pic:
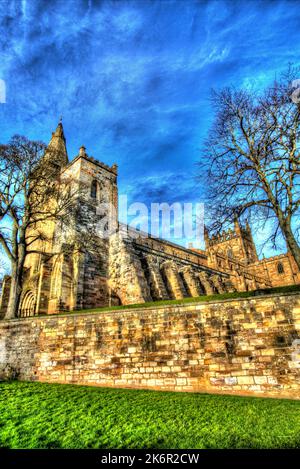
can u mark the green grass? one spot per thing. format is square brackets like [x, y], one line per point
[38, 415]
[219, 296]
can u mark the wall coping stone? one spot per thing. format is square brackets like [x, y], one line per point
[142, 309]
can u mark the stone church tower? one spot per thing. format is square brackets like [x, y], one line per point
[79, 272]
[65, 274]
[38, 266]
[235, 243]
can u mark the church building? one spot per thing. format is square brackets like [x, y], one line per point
[131, 269]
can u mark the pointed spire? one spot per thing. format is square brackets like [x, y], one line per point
[56, 151]
[59, 132]
[237, 226]
[247, 226]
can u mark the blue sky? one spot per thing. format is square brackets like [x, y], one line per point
[132, 80]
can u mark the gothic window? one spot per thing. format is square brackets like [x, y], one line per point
[230, 253]
[94, 189]
[56, 279]
[280, 268]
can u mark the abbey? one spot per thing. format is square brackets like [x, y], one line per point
[124, 269]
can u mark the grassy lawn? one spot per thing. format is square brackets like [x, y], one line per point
[38, 415]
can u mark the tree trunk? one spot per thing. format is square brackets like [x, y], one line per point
[291, 242]
[14, 294]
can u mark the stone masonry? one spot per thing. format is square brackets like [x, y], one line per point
[242, 346]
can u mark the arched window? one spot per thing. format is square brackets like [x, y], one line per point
[56, 279]
[94, 189]
[230, 253]
[280, 268]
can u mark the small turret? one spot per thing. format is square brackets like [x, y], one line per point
[206, 237]
[82, 151]
[114, 168]
[236, 224]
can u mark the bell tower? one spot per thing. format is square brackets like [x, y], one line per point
[234, 243]
[80, 278]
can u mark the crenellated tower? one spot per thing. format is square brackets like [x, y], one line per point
[236, 243]
[80, 272]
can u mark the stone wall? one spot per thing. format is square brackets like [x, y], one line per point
[242, 346]
[143, 269]
[234, 252]
[126, 277]
[280, 270]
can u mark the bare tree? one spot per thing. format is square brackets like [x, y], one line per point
[4, 269]
[33, 196]
[252, 158]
